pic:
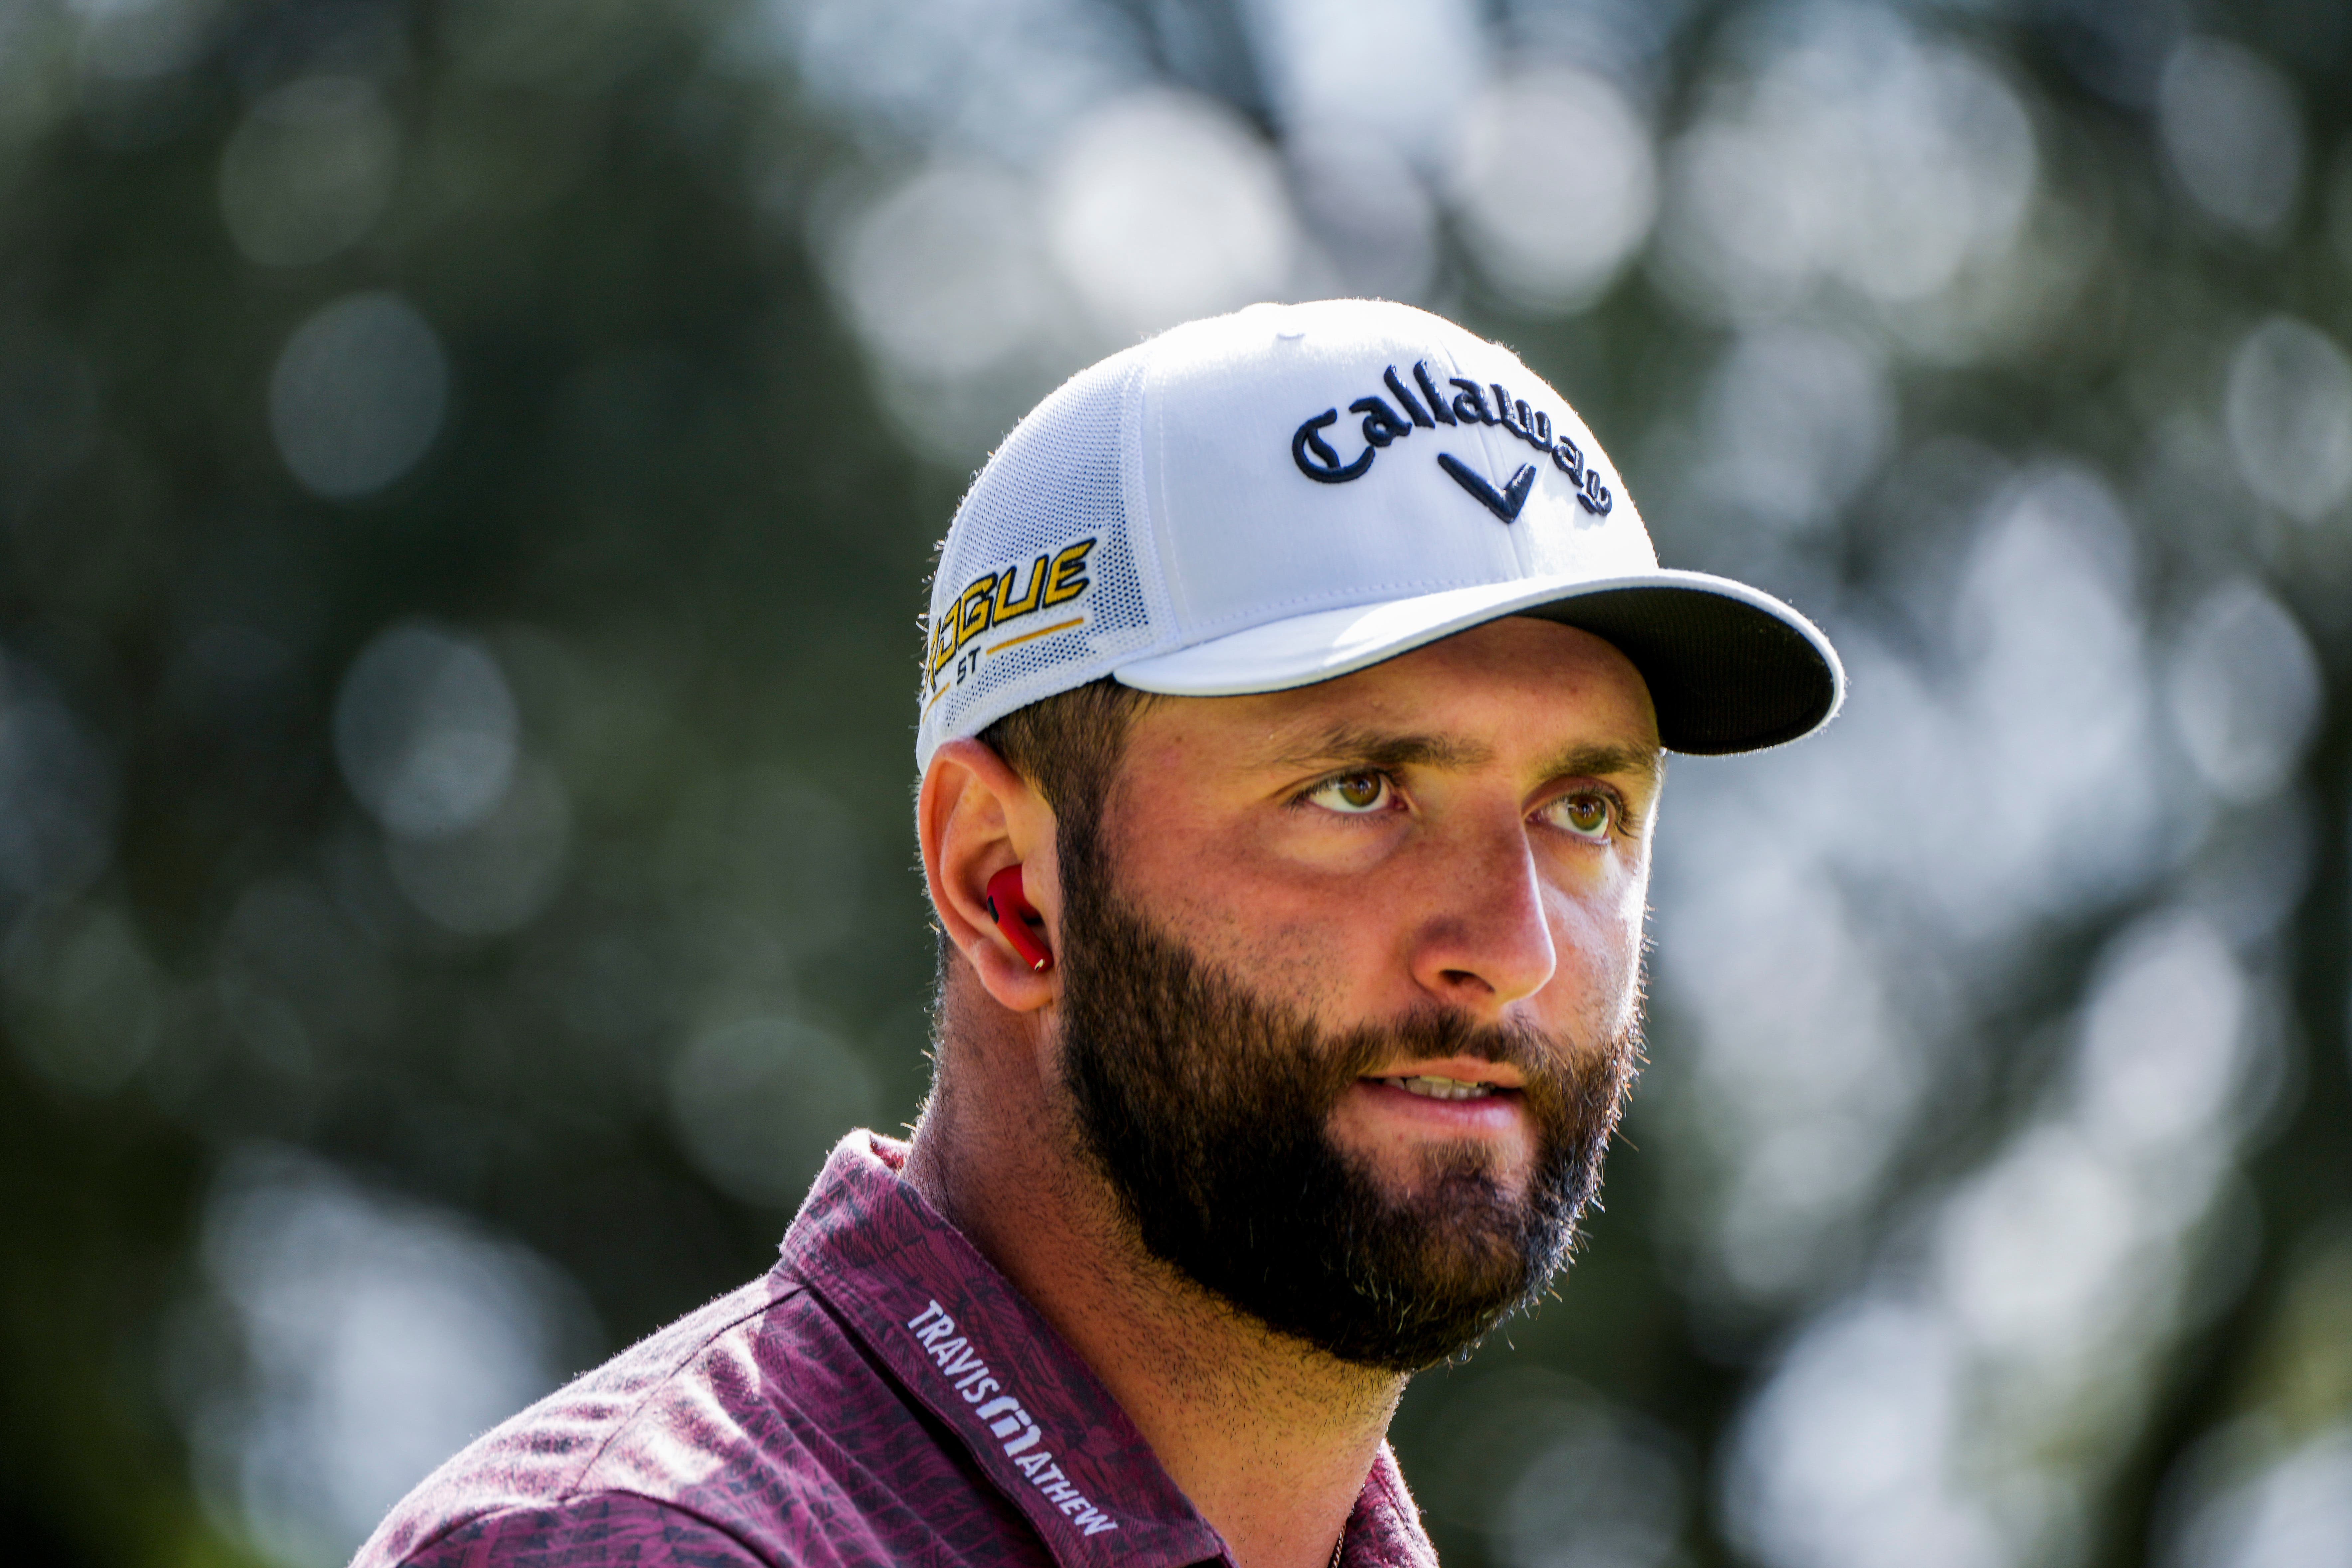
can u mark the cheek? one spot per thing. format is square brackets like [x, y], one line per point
[1598, 930]
[1287, 940]
[1312, 939]
[1249, 878]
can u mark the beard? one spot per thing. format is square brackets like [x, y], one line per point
[1208, 1108]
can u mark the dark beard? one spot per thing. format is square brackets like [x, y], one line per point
[1208, 1108]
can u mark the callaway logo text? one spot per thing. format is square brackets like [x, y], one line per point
[1382, 424]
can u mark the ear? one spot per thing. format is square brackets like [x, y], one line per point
[975, 816]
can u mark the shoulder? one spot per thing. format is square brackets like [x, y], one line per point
[592, 1529]
[692, 1429]
[587, 1530]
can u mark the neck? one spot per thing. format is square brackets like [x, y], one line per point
[1269, 1438]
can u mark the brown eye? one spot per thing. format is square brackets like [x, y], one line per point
[1353, 794]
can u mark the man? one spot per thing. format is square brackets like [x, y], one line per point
[1292, 728]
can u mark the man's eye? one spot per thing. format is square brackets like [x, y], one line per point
[1352, 794]
[1586, 815]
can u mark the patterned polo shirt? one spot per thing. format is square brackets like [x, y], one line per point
[881, 1395]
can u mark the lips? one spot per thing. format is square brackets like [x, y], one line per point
[1430, 1086]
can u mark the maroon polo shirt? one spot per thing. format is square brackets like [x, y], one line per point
[882, 1395]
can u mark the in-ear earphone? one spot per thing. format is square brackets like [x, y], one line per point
[1009, 907]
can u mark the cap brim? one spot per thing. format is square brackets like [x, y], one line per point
[1729, 668]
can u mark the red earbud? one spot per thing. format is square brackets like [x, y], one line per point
[1009, 907]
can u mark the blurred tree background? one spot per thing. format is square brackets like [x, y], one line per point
[468, 471]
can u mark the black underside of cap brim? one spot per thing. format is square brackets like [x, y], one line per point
[1724, 676]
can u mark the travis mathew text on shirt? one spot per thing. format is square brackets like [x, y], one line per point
[881, 1395]
[1004, 1414]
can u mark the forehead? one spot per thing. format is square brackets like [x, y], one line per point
[1512, 691]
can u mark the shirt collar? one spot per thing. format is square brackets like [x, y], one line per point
[959, 1337]
[1045, 1431]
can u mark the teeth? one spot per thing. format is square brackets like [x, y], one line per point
[1441, 1088]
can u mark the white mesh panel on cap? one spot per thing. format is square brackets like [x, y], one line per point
[1061, 479]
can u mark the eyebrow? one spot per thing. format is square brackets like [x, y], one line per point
[1648, 762]
[1346, 743]
[1354, 743]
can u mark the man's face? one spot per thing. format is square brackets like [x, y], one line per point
[1350, 980]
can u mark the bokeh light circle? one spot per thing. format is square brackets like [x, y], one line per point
[1556, 184]
[358, 395]
[309, 171]
[1163, 207]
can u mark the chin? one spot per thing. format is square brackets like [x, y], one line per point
[1460, 1166]
[1471, 1220]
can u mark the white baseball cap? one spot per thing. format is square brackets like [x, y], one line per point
[1284, 495]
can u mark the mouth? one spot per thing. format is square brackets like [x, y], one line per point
[1430, 1086]
[1450, 1099]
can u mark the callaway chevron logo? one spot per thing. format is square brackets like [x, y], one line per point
[1383, 424]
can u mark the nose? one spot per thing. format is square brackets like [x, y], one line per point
[1487, 940]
